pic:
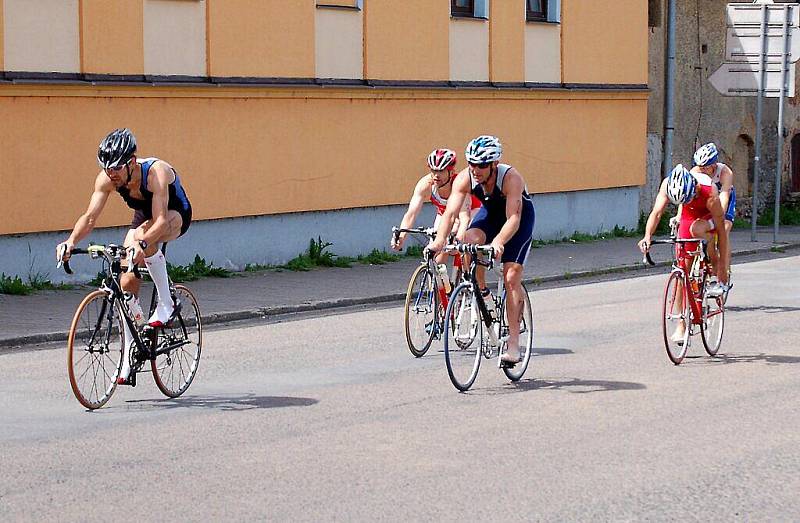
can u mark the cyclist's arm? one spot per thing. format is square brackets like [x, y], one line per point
[512, 187]
[726, 178]
[655, 216]
[422, 191]
[161, 176]
[97, 202]
[464, 219]
[714, 205]
[458, 193]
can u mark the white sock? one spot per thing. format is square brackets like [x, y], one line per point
[127, 340]
[157, 265]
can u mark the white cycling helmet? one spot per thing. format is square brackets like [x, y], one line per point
[484, 149]
[706, 155]
[441, 159]
[681, 185]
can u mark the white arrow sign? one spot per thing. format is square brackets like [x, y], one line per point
[741, 79]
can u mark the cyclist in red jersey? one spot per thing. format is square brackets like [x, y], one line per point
[435, 187]
[702, 216]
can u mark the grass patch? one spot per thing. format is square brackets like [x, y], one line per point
[377, 257]
[317, 255]
[414, 251]
[789, 215]
[199, 268]
[777, 249]
[36, 282]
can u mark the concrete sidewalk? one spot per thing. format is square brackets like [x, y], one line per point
[46, 316]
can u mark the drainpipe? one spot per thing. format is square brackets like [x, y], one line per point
[669, 90]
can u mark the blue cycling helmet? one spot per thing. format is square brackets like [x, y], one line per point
[706, 155]
[484, 149]
[681, 185]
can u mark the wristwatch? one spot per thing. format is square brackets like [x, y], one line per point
[143, 244]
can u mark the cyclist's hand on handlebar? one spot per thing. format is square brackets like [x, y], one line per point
[644, 245]
[135, 254]
[398, 241]
[63, 251]
[436, 246]
[674, 222]
[498, 249]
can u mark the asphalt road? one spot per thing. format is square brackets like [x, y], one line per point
[330, 418]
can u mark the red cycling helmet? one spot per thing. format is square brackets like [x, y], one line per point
[441, 159]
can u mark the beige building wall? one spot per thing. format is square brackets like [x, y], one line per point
[604, 42]
[2, 38]
[103, 50]
[175, 37]
[469, 49]
[261, 38]
[543, 53]
[507, 41]
[41, 36]
[223, 141]
[407, 40]
[339, 40]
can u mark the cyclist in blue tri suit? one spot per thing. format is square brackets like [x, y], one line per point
[706, 161]
[505, 220]
[162, 213]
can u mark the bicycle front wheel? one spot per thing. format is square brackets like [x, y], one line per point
[178, 347]
[525, 337]
[421, 311]
[94, 350]
[463, 362]
[676, 314]
[713, 322]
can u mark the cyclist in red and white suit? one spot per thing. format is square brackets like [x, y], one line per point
[435, 187]
[702, 216]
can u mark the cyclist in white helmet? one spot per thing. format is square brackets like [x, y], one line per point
[436, 187]
[505, 220]
[706, 161]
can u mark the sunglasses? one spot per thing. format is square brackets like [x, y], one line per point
[483, 165]
[118, 167]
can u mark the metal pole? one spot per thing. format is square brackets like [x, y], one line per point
[759, 110]
[669, 90]
[787, 11]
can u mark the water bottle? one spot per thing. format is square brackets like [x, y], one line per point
[135, 308]
[442, 270]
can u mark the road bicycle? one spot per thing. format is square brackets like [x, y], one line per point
[686, 300]
[95, 341]
[468, 308]
[427, 297]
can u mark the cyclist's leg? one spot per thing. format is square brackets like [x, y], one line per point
[704, 229]
[157, 266]
[514, 257]
[478, 237]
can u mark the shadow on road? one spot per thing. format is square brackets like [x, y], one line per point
[770, 359]
[226, 402]
[543, 351]
[770, 309]
[572, 385]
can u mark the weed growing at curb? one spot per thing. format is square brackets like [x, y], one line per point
[36, 282]
[199, 268]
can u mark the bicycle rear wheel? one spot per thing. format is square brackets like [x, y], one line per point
[676, 309]
[94, 350]
[525, 337]
[713, 322]
[463, 362]
[178, 347]
[421, 311]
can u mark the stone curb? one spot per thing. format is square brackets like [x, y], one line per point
[9, 344]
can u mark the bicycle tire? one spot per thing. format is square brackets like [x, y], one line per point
[419, 336]
[93, 344]
[175, 369]
[713, 324]
[676, 351]
[516, 372]
[460, 359]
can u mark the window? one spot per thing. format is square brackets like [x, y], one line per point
[536, 10]
[462, 7]
[654, 13]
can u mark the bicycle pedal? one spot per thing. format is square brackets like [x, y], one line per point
[130, 380]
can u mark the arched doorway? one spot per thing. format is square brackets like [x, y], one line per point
[795, 185]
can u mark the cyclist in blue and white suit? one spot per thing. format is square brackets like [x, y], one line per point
[505, 220]
[706, 161]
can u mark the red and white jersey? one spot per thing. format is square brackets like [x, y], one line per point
[441, 203]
